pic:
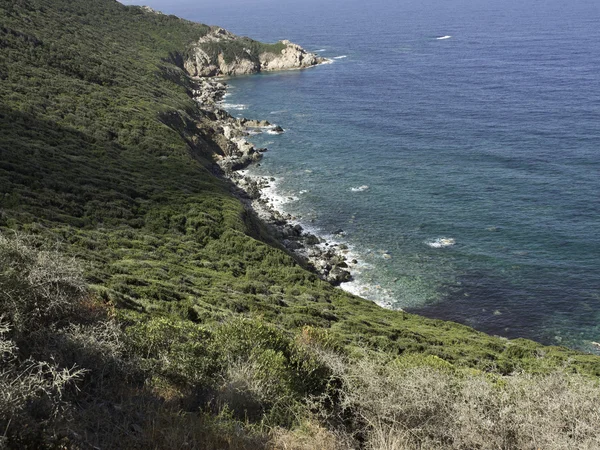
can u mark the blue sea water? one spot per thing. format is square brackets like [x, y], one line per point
[489, 138]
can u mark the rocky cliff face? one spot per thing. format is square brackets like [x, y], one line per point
[223, 53]
[291, 57]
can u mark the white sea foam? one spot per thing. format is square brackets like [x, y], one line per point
[303, 191]
[278, 112]
[362, 188]
[281, 201]
[271, 192]
[320, 50]
[441, 242]
[443, 37]
[374, 292]
[340, 57]
[274, 132]
[236, 106]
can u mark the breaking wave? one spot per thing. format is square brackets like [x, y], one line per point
[441, 242]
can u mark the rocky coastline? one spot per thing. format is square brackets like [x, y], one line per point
[327, 259]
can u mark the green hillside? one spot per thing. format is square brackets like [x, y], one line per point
[144, 306]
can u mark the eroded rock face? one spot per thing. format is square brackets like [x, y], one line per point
[291, 57]
[200, 64]
[240, 66]
[205, 63]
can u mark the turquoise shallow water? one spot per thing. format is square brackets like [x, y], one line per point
[490, 138]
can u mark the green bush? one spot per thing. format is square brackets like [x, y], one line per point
[240, 48]
[179, 350]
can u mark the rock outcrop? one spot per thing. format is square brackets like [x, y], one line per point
[223, 53]
[291, 57]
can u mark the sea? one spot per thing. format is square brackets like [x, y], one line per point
[455, 144]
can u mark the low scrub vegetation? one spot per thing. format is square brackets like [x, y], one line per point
[75, 377]
[407, 403]
[239, 49]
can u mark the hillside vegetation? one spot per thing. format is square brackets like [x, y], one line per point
[143, 306]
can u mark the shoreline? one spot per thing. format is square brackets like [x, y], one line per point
[331, 261]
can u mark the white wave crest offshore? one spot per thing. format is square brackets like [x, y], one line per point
[443, 37]
[362, 188]
[441, 242]
[340, 57]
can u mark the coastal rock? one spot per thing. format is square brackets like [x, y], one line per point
[231, 132]
[291, 57]
[239, 154]
[217, 53]
[200, 64]
[311, 239]
[207, 93]
[151, 11]
[239, 66]
[293, 245]
[337, 276]
[337, 260]
[323, 266]
[255, 123]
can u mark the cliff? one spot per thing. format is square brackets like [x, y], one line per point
[223, 53]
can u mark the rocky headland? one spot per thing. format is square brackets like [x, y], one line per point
[327, 259]
[223, 53]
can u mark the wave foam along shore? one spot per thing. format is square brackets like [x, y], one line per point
[238, 107]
